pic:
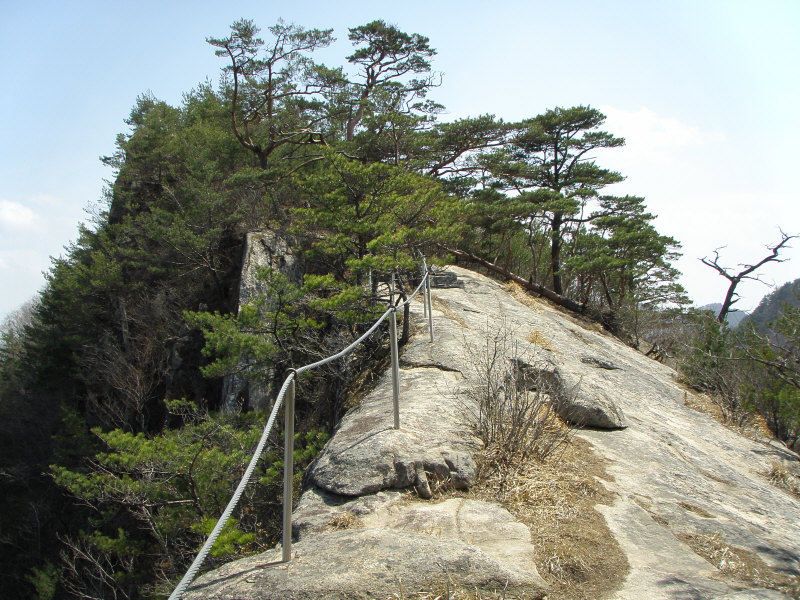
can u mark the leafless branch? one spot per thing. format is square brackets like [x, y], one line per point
[746, 272]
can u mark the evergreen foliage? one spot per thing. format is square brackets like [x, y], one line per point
[747, 372]
[151, 500]
[771, 305]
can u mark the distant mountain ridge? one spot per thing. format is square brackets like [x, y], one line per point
[734, 317]
[767, 310]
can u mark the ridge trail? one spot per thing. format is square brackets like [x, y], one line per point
[680, 480]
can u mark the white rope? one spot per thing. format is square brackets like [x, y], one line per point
[201, 556]
[325, 361]
[191, 573]
[369, 332]
[416, 291]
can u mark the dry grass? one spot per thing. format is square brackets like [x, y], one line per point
[698, 510]
[546, 477]
[535, 337]
[533, 302]
[509, 399]
[519, 294]
[703, 404]
[446, 309]
[647, 504]
[345, 520]
[576, 552]
[739, 565]
[754, 427]
[781, 477]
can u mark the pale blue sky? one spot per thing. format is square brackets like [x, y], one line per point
[704, 92]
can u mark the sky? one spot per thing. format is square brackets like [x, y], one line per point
[704, 92]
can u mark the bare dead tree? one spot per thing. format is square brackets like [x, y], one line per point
[746, 272]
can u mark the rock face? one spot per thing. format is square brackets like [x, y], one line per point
[365, 530]
[434, 441]
[263, 249]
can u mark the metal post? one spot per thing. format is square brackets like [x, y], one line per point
[430, 309]
[424, 289]
[395, 361]
[288, 472]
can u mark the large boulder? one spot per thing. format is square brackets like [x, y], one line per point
[367, 455]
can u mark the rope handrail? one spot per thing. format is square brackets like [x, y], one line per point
[288, 386]
[234, 501]
[364, 336]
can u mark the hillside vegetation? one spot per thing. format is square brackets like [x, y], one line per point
[115, 458]
[772, 305]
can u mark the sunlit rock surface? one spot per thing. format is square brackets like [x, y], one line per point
[365, 531]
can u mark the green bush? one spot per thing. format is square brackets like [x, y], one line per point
[153, 500]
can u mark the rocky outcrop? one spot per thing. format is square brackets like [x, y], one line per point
[434, 441]
[691, 496]
[366, 564]
[263, 249]
[551, 342]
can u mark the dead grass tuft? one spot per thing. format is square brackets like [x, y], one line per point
[345, 520]
[782, 478]
[446, 309]
[576, 552]
[535, 337]
[511, 400]
[753, 427]
[522, 296]
[740, 565]
[534, 302]
[698, 510]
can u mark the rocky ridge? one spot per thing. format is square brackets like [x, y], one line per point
[679, 477]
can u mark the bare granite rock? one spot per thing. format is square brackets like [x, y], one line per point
[483, 524]
[678, 475]
[319, 511]
[364, 564]
[551, 342]
[263, 249]
[367, 455]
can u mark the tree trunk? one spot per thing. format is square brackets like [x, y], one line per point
[567, 303]
[726, 305]
[353, 122]
[555, 253]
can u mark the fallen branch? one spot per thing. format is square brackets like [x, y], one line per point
[567, 303]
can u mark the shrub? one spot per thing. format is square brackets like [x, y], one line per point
[152, 501]
[510, 398]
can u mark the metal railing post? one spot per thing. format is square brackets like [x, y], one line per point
[430, 308]
[424, 289]
[288, 471]
[395, 360]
